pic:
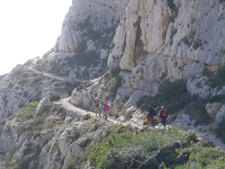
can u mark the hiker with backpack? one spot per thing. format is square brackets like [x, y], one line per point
[106, 108]
[151, 114]
[97, 108]
[164, 116]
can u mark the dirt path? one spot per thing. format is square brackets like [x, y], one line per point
[68, 106]
[53, 76]
[65, 103]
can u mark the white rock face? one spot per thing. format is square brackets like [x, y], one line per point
[200, 86]
[136, 97]
[213, 108]
[43, 105]
[103, 54]
[154, 41]
[220, 115]
[97, 15]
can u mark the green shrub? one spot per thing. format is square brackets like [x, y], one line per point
[171, 5]
[220, 130]
[31, 126]
[55, 97]
[145, 122]
[113, 84]
[27, 112]
[217, 98]
[129, 115]
[221, 1]
[196, 110]
[86, 117]
[218, 79]
[112, 45]
[36, 99]
[142, 150]
[25, 161]
[84, 85]
[172, 94]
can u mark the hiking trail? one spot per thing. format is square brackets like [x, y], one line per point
[65, 103]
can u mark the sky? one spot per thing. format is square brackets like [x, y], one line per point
[28, 28]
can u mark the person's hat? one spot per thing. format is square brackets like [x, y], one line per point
[162, 107]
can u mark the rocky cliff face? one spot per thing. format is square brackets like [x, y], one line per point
[170, 39]
[81, 50]
[80, 54]
[159, 40]
[154, 41]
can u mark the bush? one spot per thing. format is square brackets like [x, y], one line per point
[196, 110]
[30, 126]
[139, 151]
[27, 112]
[84, 85]
[55, 97]
[221, 1]
[218, 79]
[172, 94]
[171, 5]
[129, 115]
[220, 130]
[113, 84]
[86, 117]
[145, 122]
[217, 98]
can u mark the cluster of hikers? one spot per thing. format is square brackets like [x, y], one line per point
[152, 113]
[101, 106]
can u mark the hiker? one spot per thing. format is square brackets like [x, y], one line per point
[97, 109]
[105, 109]
[151, 114]
[164, 116]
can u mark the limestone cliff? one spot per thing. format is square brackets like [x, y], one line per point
[171, 39]
[165, 39]
[82, 48]
[80, 54]
[151, 43]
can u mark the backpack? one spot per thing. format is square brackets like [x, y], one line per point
[149, 117]
[164, 114]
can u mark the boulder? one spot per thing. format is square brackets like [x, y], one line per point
[212, 109]
[136, 97]
[43, 106]
[220, 115]
[103, 54]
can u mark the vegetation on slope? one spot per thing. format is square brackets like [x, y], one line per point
[220, 130]
[175, 97]
[218, 79]
[151, 150]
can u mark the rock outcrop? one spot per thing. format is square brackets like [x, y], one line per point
[82, 48]
[171, 39]
[159, 40]
[154, 41]
[80, 54]
[43, 106]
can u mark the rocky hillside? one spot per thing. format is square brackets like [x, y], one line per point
[80, 54]
[131, 53]
[168, 40]
[82, 49]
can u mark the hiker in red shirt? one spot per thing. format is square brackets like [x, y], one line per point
[164, 116]
[105, 109]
